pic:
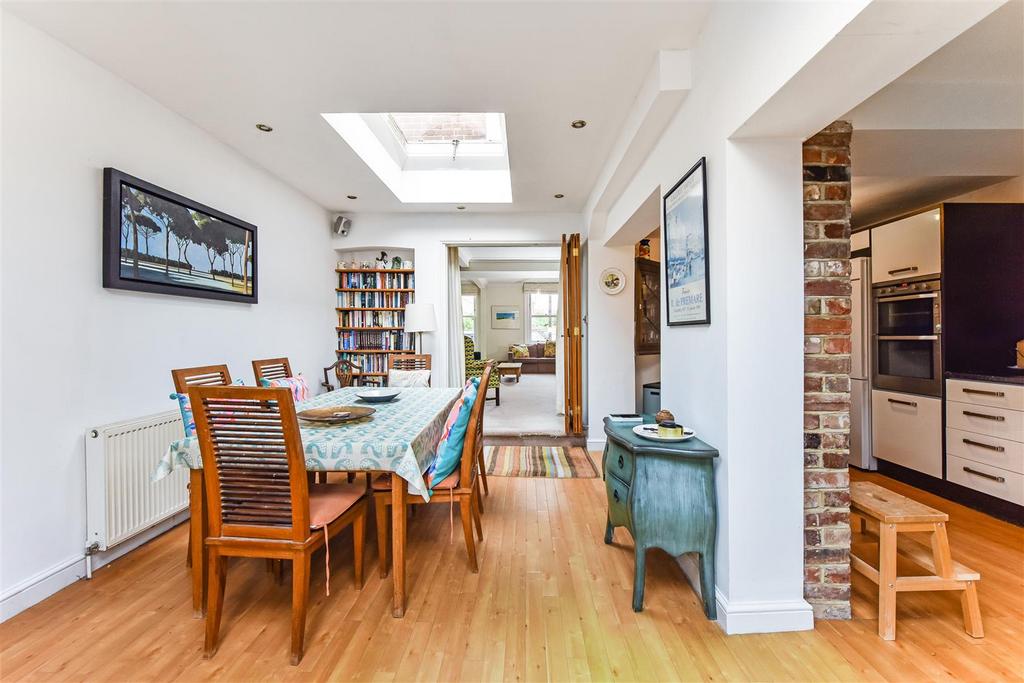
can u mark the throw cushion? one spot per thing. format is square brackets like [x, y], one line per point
[185, 406]
[409, 378]
[449, 448]
[549, 349]
[298, 386]
[519, 351]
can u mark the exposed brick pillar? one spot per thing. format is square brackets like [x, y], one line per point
[827, 371]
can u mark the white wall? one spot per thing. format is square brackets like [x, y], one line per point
[76, 355]
[428, 233]
[497, 341]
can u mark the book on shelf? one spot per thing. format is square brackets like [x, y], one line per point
[364, 280]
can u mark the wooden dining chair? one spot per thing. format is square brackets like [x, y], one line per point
[461, 487]
[260, 501]
[409, 361]
[344, 371]
[271, 368]
[203, 375]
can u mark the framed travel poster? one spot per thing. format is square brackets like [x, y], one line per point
[686, 249]
[504, 317]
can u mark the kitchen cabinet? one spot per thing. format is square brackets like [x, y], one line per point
[907, 430]
[985, 437]
[908, 248]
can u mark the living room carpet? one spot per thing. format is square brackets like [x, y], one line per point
[539, 461]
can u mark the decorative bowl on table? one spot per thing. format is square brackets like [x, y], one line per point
[382, 395]
[335, 415]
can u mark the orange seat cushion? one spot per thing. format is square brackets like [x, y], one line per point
[383, 482]
[327, 502]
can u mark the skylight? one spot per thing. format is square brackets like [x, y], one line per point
[432, 157]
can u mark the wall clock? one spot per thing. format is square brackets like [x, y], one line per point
[613, 280]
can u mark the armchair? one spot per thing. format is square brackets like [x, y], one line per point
[475, 368]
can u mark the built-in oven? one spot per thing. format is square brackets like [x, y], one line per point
[908, 338]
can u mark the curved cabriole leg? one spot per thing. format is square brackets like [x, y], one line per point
[707, 585]
[609, 530]
[638, 579]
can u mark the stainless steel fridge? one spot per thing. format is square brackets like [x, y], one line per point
[860, 365]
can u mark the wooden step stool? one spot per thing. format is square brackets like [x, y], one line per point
[893, 514]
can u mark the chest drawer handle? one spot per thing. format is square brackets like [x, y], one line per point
[986, 475]
[622, 463]
[996, 418]
[615, 493]
[997, 394]
[912, 404]
[997, 449]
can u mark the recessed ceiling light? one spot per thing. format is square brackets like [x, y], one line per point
[578, 123]
[263, 127]
[461, 208]
[559, 195]
[352, 196]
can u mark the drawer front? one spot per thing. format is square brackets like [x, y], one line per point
[1000, 422]
[620, 463]
[990, 450]
[618, 501]
[985, 478]
[1009, 396]
[907, 430]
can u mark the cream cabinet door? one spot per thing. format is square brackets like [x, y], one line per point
[907, 248]
[907, 430]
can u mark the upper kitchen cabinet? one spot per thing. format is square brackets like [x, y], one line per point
[908, 248]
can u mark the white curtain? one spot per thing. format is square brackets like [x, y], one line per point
[456, 349]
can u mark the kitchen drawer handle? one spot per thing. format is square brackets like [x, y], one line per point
[986, 475]
[997, 394]
[912, 404]
[908, 269]
[997, 449]
[655, 393]
[908, 337]
[622, 463]
[996, 418]
[615, 493]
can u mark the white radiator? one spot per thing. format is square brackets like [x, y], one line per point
[121, 499]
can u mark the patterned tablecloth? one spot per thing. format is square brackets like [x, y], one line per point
[400, 437]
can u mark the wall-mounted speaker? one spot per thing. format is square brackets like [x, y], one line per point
[342, 225]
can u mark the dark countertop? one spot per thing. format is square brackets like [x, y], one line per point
[998, 379]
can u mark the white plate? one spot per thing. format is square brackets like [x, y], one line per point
[640, 431]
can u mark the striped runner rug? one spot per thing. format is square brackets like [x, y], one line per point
[539, 461]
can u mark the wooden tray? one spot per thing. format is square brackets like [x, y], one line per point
[335, 414]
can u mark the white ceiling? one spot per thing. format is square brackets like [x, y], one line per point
[952, 124]
[229, 65]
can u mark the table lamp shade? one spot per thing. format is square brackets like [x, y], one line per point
[420, 318]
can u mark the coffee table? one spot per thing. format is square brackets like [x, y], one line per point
[510, 370]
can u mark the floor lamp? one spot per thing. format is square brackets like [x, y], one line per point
[419, 318]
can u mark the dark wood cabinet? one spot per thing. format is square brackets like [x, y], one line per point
[647, 315]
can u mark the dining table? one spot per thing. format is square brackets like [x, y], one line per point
[399, 438]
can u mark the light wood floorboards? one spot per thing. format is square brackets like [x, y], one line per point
[551, 602]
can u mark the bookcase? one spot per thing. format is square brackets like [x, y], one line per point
[371, 318]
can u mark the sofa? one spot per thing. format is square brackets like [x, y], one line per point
[535, 363]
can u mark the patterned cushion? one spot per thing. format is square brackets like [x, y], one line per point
[519, 351]
[549, 349]
[409, 378]
[449, 448]
[298, 386]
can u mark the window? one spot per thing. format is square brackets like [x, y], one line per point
[469, 316]
[543, 316]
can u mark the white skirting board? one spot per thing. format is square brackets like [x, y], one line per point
[596, 444]
[37, 588]
[763, 617]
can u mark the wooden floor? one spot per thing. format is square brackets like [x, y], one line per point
[551, 602]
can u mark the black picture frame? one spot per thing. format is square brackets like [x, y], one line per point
[186, 280]
[678, 266]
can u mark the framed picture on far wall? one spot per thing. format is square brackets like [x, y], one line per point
[685, 216]
[157, 241]
[504, 317]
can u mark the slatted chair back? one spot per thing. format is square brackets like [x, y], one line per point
[475, 429]
[271, 368]
[409, 361]
[252, 458]
[203, 375]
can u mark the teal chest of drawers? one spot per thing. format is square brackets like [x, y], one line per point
[664, 494]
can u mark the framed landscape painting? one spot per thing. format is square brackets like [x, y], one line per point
[686, 249]
[157, 241]
[504, 317]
